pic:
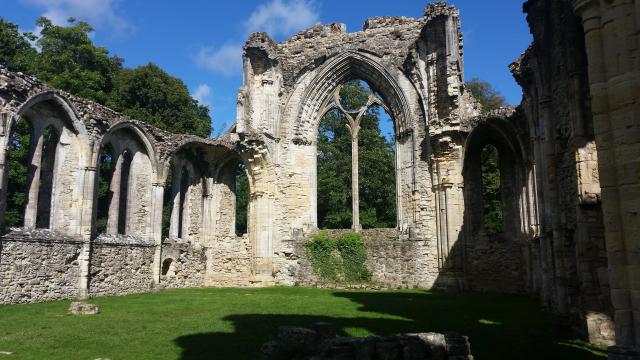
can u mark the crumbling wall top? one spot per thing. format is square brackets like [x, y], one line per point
[440, 8]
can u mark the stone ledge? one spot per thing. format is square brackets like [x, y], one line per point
[320, 342]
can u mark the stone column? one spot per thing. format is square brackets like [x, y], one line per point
[611, 39]
[156, 229]
[85, 231]
[114, 205]
[355, 186]
[33, 178]
[176, 186]
[4, 136]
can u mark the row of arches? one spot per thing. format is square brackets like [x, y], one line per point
[49, 175]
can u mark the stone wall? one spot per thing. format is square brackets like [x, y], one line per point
[555, 79]
[230, 262]
[395, 260]
[496, 263]
[121, 268]
[183, 265]
[38, 268]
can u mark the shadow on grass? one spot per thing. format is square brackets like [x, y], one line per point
[498, 326]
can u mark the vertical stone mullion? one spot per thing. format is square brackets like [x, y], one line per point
[114, 205]
[33, 177]
[176, 187]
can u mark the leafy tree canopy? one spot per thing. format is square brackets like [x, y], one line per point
[16, 51]
[67, 59]
[149, 94]
[488, 97]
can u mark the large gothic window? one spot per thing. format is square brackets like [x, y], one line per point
[356, 161]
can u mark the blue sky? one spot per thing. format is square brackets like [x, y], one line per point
[199, 41]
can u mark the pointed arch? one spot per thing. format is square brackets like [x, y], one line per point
[71, 118]
[339, 69]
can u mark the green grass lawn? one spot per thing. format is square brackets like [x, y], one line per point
[233, 323]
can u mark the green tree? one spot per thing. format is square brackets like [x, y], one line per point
[69, 60]
[15, 50]
[149, 94]
[376, 166]
[487, 96]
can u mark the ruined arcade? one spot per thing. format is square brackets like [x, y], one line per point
[569, 167]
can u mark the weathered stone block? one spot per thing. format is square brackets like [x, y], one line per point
[82, 308]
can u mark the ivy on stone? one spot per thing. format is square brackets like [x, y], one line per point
[338, 259]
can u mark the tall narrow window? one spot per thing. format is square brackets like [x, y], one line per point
[491, 190]
[17, 170]
[105, 193]
[377, 170]
[242, 199]
[334, 172]
[51, 138]
[184, 189]
[167, 208]
[124, 192]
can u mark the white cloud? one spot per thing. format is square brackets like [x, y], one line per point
[282, 18]
[202, 93]
[99, 13]
[226, 60]
[278, 18]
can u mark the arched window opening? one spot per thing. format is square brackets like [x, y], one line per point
[491, 190]
[242, 199]
[167, 208]
[356, 170]
[124, 192]
[176, 203]
[168, 268]
[50, 140]
[105, 193]
[17, 172]
[30, 172]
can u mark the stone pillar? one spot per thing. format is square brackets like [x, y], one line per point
[448, 188]
[4, 141]
[114, 205]
[260, 228]
[85, 231]
[176, 186]
[33, 178]
[355, 187]
[156, 231]
[612, 43]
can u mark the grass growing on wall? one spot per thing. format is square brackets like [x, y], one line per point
[190, 324]
[338, 259]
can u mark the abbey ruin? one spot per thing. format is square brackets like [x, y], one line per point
[569, 165]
